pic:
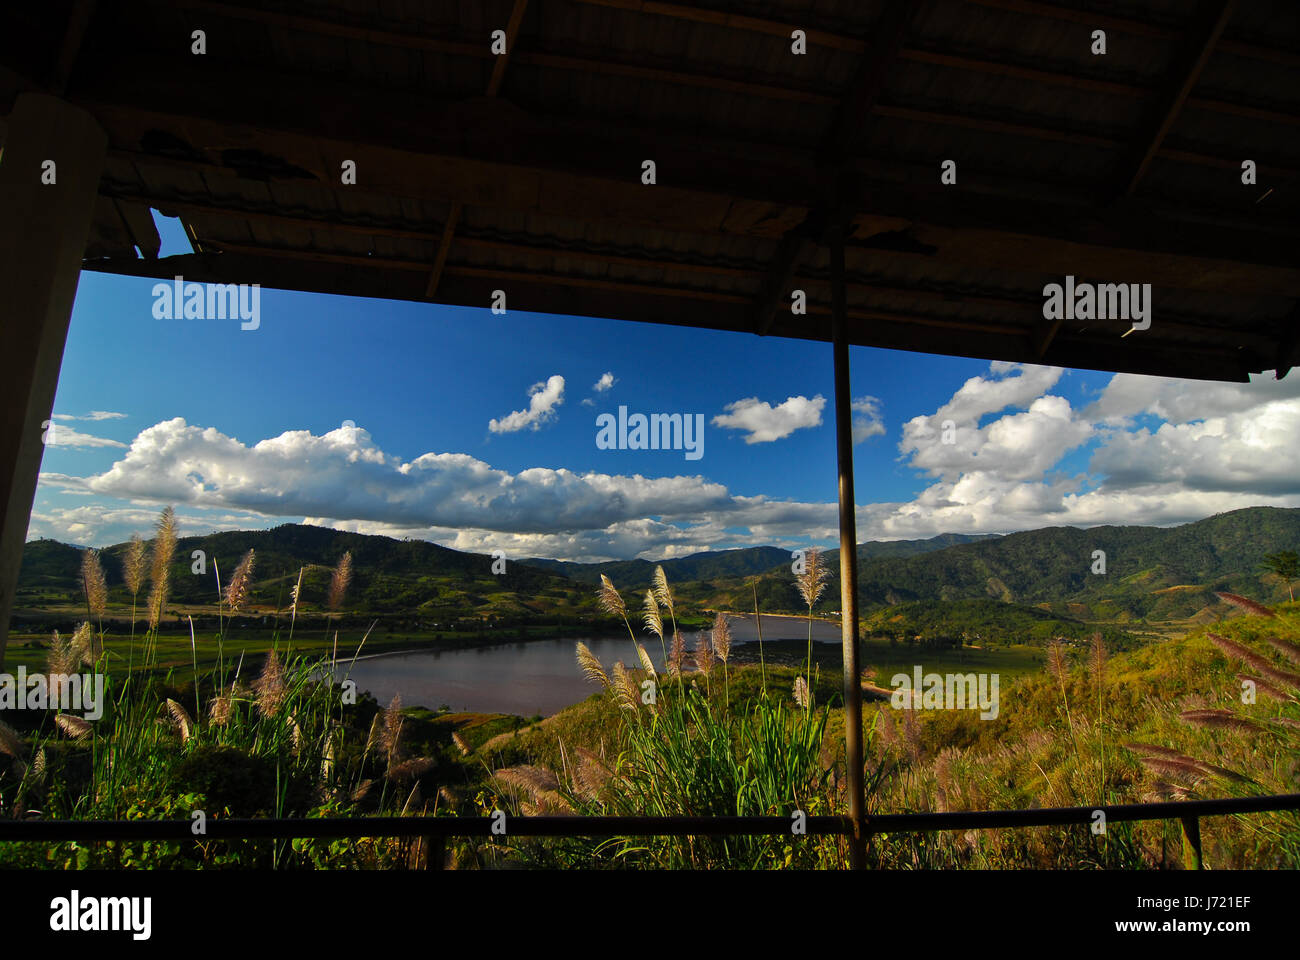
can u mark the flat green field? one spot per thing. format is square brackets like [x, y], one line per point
[175, 649]
[886, 659]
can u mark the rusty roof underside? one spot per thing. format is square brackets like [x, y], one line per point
[522, 172]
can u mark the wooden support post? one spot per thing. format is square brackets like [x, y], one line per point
[43, 232]
[435, 851]
[848, 553]
[1192, 844]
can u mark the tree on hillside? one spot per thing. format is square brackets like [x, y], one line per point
[1286, 565]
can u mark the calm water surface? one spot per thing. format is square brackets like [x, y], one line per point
[537, 677]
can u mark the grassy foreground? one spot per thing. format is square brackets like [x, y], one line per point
[687, 733]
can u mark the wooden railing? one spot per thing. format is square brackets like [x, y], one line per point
[435, 830]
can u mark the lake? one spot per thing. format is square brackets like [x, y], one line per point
[535, 677]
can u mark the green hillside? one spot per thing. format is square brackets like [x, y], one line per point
[1026, 584]
[984, 621]
[877, 549]
[636, 574]
[1151, 572]
[388, 575]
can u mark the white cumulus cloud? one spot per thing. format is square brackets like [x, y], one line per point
[866, 419]
[93, 415]
[1200, 449]
[59, 436]
[544, 398]
[764, 423]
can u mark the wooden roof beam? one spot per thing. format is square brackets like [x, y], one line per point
[493, 88]
[78, 20]
[877, 58]
[1039, 132]
[845, 130]
[770, 88]
[1174, 324]
[794, 247]
[1288, 346]
[503, 59]
[707, 184]
[834, 41]
[366, 278]
[1187, 70]
[735, 21]
[174, 208]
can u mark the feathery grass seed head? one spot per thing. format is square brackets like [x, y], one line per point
[721, 637]
[801, 692]
[164, 548]
[271, 686]
[10, 742]
[92, 580]
[662, 592]
[73, 726]
[342, 578]
[1285, 647]
[676, 655]
[60, 659]
[609, 598]
[85, 646]
[1056, 663]
[654, 622]
[1097, 659]
[646, 663]
[1245, 603]
[590, 666]
[390, 735]
[812, 581]
[133, 565]
[219, 710]
[703, 655]
[237, 588]
[626, 693]
[181, 718]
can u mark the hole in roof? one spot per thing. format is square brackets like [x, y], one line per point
[175, 239]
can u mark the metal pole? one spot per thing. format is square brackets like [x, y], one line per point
[848, 554]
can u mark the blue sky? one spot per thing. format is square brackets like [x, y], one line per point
[246, 428]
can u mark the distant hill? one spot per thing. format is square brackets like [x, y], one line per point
[742, 562]
[635, 574]
[1151, 572]
[388, 574]
[876, 549]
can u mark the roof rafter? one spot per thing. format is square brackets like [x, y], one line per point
[493, 88]
[1182, 78]
[1170, 323]
[561, 167]
[772, 88]
[368, 277]
[838, 142]
[835, 41]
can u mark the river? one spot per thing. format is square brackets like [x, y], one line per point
[533, 677]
